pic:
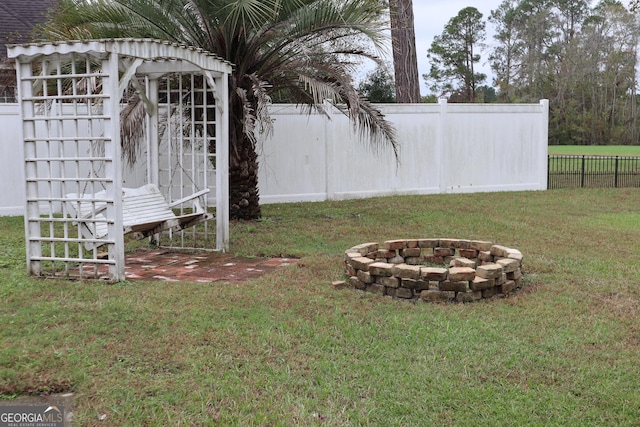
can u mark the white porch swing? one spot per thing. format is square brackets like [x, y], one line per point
[77, 207]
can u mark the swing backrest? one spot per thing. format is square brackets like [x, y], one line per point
[140, 206]
[144, 205]
[143, 208]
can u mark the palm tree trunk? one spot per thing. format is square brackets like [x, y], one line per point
[244, 200]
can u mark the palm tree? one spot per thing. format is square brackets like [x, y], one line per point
[305, 51]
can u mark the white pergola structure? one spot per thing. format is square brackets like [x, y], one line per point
[71, 101]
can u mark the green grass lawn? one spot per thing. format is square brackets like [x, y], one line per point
[287, 349]
[595, 150]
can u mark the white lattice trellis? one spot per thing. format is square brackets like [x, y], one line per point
[71, 99]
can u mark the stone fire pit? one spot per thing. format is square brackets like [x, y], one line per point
[434, 270]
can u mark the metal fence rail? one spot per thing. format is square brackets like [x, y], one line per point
[593, 171]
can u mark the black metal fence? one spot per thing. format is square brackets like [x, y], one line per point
[593, 171]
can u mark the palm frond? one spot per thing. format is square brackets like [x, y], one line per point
[262, 103]
[372, 126]
[320, 90]
[250, 14]
[249, 123]
[132, 129]
[340, 91]
[306, 49]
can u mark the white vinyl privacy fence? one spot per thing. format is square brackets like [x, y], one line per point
[444, 148]
[12, 190]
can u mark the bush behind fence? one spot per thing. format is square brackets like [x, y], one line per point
[584, 171]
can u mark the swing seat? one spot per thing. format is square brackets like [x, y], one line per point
[145, 212]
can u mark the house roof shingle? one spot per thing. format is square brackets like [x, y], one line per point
[17, 19]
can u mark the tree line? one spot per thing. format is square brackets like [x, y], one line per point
[581, 58]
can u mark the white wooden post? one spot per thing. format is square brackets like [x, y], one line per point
[222, 164]
[113, 169]
[32, 210]
[152, 132]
